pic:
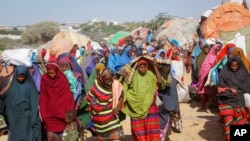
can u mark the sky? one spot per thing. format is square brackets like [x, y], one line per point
[28, 12]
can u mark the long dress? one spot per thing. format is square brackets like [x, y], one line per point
[232, 107]
[140, 106]
[55, 100]
[22, 108]
[106, 122]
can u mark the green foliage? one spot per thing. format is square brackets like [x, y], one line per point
[97, 31]
[13, 32]
[40, 33]
[6, 43]
[159, 20]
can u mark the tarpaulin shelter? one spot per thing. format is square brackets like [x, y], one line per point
[183, 30]
[64, 40]
[114, 38]
[143, 32]
[228, 17]
[240, 37]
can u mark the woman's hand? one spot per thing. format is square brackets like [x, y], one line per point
[234, 91]
[155, 62]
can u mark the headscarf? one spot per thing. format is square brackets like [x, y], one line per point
[69, 73]
[36, 76]
[197, 49]
[159, 53]
[139, 94]
[75, 66]
[112, 59]
[22, 106]
[123, 59]
[201, 57]
[239, 51]
[206, 66]
[93, 75]
[224, 51]
[175, 43]
[92, 65]
[67, 61]
[171, 51]
[238, 80]
[55, 99]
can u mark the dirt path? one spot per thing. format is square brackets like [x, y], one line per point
[197, 126]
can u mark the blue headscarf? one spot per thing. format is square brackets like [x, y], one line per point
[123, 59]
[175, 43]
[159, 52]
[112, 59]
[197, 49]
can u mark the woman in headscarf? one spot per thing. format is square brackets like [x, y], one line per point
[76, 68]
[201, 57]
[106, 122]
[195, 53]
[75, 85]
[167, 93]
[55, 99]
[83, 111]
[21, 107]
[237, 51]
[161, 53]
[113, 57]
[233, 83]
[35, 73]
[140, 103]
[91, 66]
[227, 49]
[124, 59]
[208, 63]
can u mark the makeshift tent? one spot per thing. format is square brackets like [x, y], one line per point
[64, 41]
[117, 36]
[183, 30]
[245, 3]
[227, 17]
[143, 32]
[240, 37]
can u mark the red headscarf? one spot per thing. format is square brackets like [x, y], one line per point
[170, 52]
[224, 52]
[142, 60]
[55, 99]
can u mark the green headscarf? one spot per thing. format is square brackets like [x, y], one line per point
[139, 94]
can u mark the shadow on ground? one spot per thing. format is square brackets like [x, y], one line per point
[214, 127]
[127, 138]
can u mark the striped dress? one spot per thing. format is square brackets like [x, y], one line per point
[100, 103]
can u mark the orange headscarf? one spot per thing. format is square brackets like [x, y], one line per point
[237, 51]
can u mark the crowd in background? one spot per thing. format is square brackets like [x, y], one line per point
[137, 77]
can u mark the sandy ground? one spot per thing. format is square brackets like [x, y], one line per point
[197, 126]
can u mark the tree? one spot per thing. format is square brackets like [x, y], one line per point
[159, 20]
[40, 33]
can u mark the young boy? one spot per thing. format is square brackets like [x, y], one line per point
[71, 132]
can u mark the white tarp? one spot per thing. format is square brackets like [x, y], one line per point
[21, 56]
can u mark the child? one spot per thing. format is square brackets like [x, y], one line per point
[70, 133]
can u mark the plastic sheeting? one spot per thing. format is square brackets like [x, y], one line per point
[183, 30]
[64, 41]
[227, 17]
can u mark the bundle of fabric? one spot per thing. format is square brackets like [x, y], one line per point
[21, 56]
[129, 69]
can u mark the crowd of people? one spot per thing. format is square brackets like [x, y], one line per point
[137, 77]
